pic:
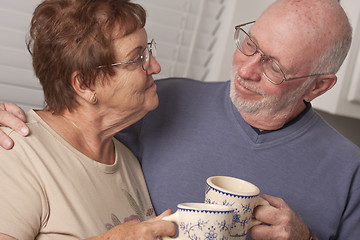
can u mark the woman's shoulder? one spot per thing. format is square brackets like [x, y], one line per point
[32, 147]
[123, 153]
[31, 122]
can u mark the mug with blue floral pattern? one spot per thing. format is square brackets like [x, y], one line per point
[200, 221]
[239, 194]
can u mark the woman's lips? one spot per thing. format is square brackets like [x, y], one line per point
[152, 85]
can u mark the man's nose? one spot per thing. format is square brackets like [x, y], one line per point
[250, 68]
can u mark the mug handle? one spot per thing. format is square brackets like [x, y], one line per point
[172, 218]
[260, 201]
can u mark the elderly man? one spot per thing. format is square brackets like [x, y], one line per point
[260, 127]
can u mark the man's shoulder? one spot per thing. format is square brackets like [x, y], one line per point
[173, 89]
[325, 137]
[187, 83]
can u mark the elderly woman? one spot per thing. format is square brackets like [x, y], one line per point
[70, 178]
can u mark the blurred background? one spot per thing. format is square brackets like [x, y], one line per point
[194, 39]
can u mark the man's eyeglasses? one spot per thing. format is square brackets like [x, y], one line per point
[144, 58]
[270, 68]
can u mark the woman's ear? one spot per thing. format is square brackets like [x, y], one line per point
[321, 85]
[82, 90]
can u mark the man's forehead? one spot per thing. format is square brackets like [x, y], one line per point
[281, 41]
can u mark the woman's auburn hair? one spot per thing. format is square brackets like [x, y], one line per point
[77, 35]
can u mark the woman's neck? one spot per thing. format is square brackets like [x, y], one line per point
[88, 136]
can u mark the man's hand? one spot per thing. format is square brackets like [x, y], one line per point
[284, 223]
[13, 117]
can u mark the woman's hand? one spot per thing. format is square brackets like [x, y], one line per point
[150, 229]
[13, 117]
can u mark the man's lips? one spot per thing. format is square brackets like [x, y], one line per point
[241, 87]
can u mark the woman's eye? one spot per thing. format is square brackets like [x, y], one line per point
[137, 58]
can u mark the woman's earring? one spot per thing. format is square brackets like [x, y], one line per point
[93, 98]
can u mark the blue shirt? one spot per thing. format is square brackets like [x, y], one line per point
[196, 132]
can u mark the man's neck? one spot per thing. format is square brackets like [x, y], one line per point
[266, 121]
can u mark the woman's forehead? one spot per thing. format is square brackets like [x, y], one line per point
[125, 44]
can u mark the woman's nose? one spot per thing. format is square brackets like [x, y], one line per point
[154, 67]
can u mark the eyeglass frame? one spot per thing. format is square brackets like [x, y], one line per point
[151, 48]
[264, 56]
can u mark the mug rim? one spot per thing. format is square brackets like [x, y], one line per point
[204, 207]
[254, 193]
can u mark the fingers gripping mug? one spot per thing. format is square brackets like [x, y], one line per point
[241, 195]
[202, 221]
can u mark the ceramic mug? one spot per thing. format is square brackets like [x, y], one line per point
[202, 221]
[239, 194]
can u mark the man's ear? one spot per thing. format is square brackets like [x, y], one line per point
[321, 85]
[81, 89]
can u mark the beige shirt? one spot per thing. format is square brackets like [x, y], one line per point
[49, 190]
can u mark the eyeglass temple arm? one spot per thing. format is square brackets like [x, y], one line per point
[312, 75]
[241, 25]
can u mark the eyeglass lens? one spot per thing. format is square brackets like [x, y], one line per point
[247, 46]
[150, 49]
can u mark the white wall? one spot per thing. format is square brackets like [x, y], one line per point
[237, 12]
[17, 81]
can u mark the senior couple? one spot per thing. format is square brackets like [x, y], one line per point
[74, 176]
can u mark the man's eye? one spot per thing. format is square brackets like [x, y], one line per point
[249, 44]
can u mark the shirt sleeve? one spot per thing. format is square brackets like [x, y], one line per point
[22, 197]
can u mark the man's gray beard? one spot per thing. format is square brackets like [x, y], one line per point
[268, 106]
